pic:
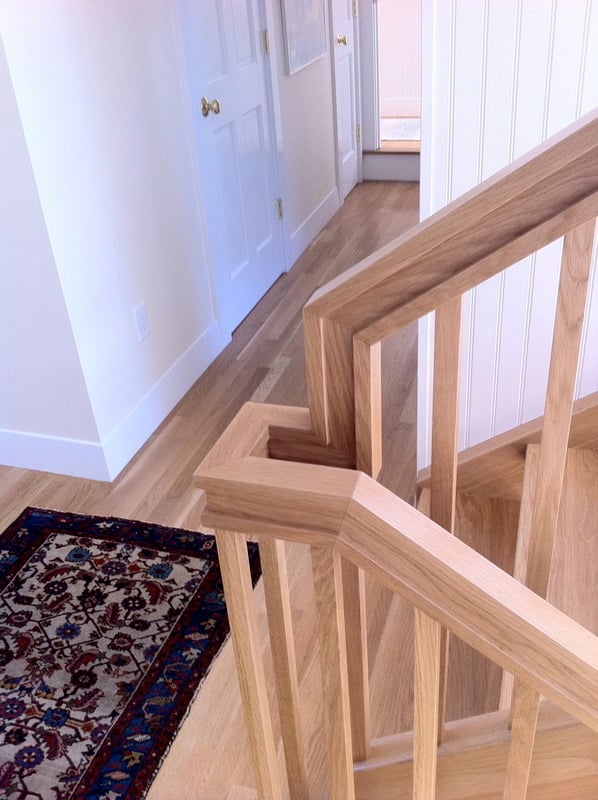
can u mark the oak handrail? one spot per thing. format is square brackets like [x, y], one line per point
[530, 203]
[415, 558]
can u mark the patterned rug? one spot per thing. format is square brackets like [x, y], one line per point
[107, 629]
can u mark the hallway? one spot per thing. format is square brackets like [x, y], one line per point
[265, 361]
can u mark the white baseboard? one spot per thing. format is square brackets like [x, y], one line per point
[304, 235]
[391, 166]
[102, 461]
[131, 434]
[76, 457]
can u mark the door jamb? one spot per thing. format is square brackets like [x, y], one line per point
[358, 108]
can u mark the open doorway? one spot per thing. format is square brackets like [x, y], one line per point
[399, 75]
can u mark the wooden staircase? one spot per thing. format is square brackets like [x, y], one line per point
[492, 575]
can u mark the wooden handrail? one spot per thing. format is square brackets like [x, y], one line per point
[414, 557]
[532, 202]
[352, 523]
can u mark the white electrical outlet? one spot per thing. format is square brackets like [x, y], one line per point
[141, 322]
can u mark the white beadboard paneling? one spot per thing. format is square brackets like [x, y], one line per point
[505, 75]
[535, 48]
[467, 102]
[517, 297]
[500, 86]
[485, 330]
[589, 93]
[568, 58]
[540, 330]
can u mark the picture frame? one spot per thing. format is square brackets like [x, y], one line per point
[304, 32]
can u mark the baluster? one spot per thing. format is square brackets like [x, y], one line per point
[240, 606]
[368, 436]
[367, 365]
[276, 592]
[571, 301]
[333, 658]
[427, 646]
[445, 421]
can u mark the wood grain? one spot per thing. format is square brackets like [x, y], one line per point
[522, 548]
[354, 608]
[414, 557]
[445, 429]
[210, 757]
[494, 468]
[532, 202]
[552, 459]
[282, 643]
[367, 363]
[333, 648]
[472, 761]
[236, 578]
[571, 301]
[425, 717]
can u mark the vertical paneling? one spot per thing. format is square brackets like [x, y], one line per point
[506, 74]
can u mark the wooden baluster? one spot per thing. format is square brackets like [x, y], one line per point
[530, 473]
[571, 302]
[427, 644]
[368, 434]
[445, 422]
[357, 658]
[276, 591]
[333, 657]
[367, 365]
[240, 606]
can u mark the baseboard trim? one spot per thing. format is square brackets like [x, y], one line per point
[75, 457]
[391, 166]
[135, 429]
[311, 226]
[103, 461]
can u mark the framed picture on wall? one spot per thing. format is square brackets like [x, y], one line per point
[304, 32]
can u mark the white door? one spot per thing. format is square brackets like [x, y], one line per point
[344, 45]
[226, 66]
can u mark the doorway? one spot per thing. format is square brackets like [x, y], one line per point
[231, 102]
[399, 75]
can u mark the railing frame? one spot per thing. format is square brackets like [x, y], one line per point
[534, 201]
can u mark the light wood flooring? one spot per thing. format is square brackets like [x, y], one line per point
[210, 758]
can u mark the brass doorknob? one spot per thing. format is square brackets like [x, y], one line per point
[207, 106]
[341, 40]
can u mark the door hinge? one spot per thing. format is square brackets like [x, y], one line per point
[280, 208]
[354, 8]
[358, 132]
[266, 42]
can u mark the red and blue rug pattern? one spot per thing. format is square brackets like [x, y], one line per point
[107, 629]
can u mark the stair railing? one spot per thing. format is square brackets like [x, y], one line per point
[550, 193]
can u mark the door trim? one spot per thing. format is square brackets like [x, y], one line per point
[368, 49]
[357, 79]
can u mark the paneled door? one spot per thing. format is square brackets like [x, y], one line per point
[344, 30]
[225, 60]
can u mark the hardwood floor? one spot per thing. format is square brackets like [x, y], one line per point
[210, 759]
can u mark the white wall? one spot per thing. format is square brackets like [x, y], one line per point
[500, 77]
[99, 93]
[100, 148]
[399, 48]
[43, 389]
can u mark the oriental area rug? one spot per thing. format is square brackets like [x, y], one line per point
[107, 629]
